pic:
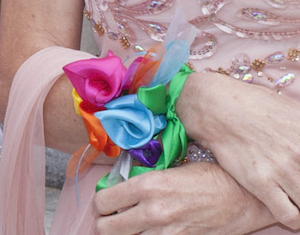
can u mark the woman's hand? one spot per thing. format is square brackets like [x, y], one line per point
[255, 135]
[193, 199]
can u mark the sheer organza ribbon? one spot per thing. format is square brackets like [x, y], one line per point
[99, 142]
[173, 138]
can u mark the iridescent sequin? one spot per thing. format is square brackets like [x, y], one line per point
[155, 28]
[285, 80]
[254, 14]
[138, 48]
[122, 28]
[155, 4]
[258, 15]
[243, 69]
[113, 35]
[248, 78]
[275, 58]
[266, 17]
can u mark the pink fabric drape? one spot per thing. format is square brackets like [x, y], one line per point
[22, 168]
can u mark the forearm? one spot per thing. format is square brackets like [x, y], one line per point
[201, 107]
[205, 105]
[41, 24]
[38, 24]
[253, 132]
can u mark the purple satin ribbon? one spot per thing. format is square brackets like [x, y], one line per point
[147, 154]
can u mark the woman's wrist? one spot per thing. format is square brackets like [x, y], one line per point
[209, 106]
[196, 106]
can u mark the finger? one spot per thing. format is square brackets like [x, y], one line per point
[129, 222]
[291, 185]
[118, 197]
[283, 210]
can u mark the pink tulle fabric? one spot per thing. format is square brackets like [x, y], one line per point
[22, 167]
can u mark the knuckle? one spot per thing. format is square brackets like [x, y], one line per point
[153, 214]
[158, 214]
[167, 216]
[259, 179]
[148, 183]
[290, 219]
[266, 179]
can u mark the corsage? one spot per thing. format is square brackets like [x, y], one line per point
[128, 112]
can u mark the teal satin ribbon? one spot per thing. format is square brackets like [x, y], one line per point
[174, 139]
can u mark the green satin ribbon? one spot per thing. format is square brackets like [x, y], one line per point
[154, 98]
[174, 139]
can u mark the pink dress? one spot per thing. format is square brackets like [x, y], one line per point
[252, 41]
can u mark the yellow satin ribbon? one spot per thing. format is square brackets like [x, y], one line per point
[76, 101]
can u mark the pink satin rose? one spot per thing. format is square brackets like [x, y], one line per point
[98, 81]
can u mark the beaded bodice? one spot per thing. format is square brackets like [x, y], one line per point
[252, 41]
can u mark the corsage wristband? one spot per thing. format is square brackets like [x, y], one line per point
[174, 139]
[126, 110]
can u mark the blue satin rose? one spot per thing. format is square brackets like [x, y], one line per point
[129, 123]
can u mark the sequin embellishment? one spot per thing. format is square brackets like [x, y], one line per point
[242, 68]
[265, 17]
[114, 19]
[285, 80]
[197, 153]
[276, 57]
[119, 20]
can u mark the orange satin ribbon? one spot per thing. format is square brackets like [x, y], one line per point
[98, 139]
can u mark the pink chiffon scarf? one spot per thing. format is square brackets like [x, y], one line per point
[22, 167]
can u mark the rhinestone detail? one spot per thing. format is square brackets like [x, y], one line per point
[241, 69]
[277, 57]
[285, 80]
[122, 13]
[197, 153]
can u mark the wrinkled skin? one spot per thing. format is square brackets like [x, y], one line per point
[255, 135]
[193, 199]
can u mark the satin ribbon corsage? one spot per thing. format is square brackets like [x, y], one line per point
[126, 111]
